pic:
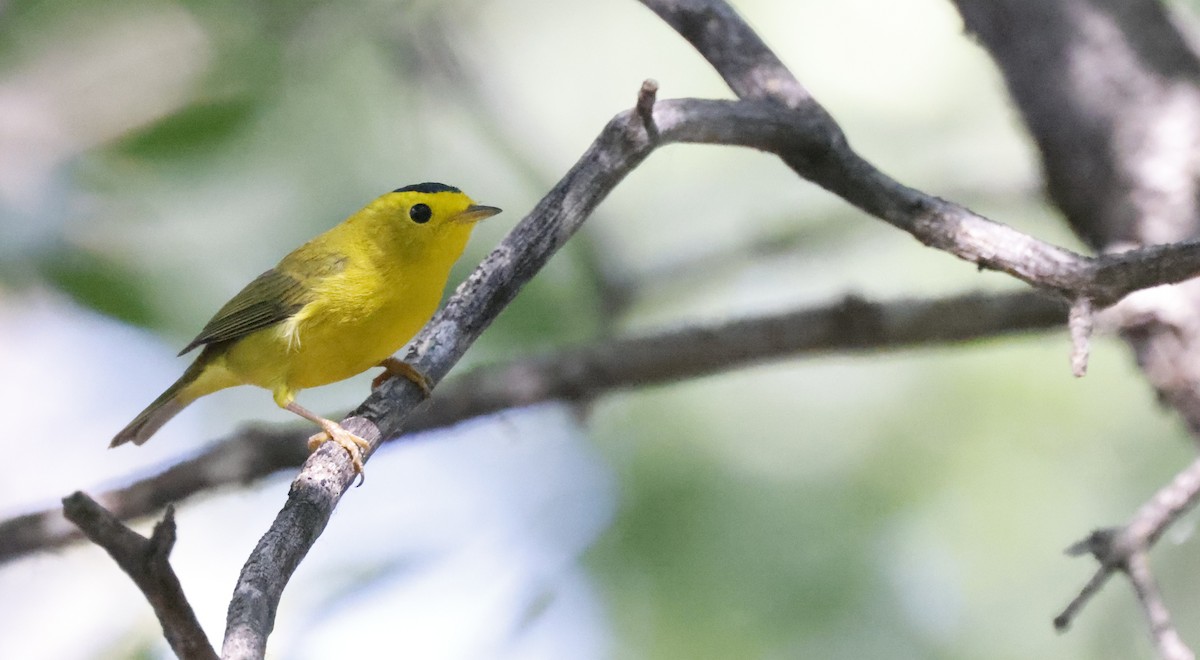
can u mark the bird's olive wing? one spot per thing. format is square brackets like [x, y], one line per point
[272, 297]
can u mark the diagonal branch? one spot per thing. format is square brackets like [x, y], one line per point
[145, 561]
[1166, 639]
[622, 145]
[327, 473]
[753, 72]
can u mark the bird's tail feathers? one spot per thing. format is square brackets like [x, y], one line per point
[166, 406]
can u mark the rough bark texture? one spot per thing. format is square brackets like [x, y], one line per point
[1110, 92]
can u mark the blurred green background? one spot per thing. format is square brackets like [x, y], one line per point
[156, 155]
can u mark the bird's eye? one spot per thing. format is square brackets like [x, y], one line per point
[420, 213]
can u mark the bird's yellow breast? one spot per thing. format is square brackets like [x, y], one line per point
[357, 318]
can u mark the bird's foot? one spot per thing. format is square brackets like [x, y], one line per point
[393, 367]
[354, 445]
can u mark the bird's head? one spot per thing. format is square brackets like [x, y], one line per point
[428, 217]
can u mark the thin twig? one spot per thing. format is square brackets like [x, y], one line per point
[146, 562]
[1119, 551]
[1063, 621]
[1113, 548]
[647, 95]
[1080, 321]
[1166, 638]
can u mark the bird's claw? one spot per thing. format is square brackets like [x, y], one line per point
[354, 445]
[393, 367]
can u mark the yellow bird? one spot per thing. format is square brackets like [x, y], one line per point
[333, 308]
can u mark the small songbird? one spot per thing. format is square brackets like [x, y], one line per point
[336, 306]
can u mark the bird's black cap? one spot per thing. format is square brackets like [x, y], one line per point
[428, 187]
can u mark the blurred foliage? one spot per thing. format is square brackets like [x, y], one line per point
[160, 154]
[189, 133]
[102, 285]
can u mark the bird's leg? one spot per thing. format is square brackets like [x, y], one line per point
[353, 444]
[393, 367]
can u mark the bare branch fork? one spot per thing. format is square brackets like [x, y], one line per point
[145, 561]
[775, 115]
[1125, 549]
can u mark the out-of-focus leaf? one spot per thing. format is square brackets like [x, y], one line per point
[192, 130]
[101, 284]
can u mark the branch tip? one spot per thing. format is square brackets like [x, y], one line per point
[162, 539]
[1080, 321]
[1063, 621]
[647, 96]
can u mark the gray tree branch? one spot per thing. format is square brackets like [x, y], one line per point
[146, 562]
[1124, 549]
[579, 374]
[1110, 91]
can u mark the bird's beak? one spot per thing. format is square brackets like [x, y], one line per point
[475, 213]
